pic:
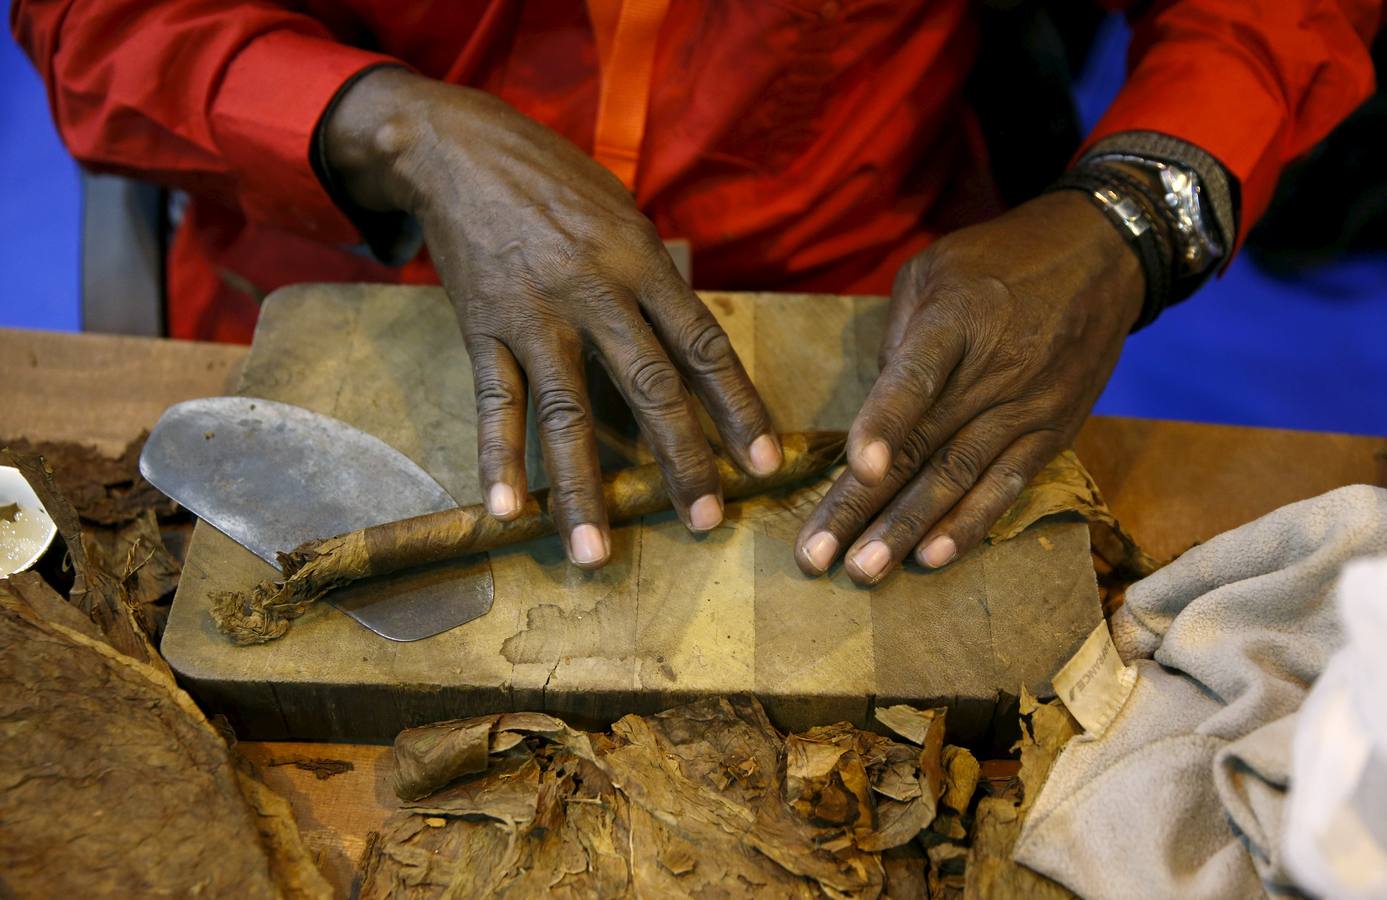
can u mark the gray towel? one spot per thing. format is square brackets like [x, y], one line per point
[1183, 795]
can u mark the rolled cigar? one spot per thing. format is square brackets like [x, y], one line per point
[318, 567]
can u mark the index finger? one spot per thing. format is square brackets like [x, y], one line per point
[700, 349]
[911, 380]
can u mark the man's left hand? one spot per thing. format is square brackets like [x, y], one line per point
[1000, 339]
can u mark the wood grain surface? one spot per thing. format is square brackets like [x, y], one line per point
[103, 390]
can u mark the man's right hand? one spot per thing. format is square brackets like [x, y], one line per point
[544, 254]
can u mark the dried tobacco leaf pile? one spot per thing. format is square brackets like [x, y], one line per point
[706, 799]
[104, 490]
[123, 519]
[112, 783]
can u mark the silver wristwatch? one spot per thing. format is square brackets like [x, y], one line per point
[1199, 246]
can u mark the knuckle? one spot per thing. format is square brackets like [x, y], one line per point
[572, 498]
[888, 421]
[1007, 478]
[656, 386]
[494, 450]
[914, 373]
[561, 412]
[709, 349]
[850, 510]
[957, 465]
[496, 395]
[914, 452]
[690, 469]
[911, 277]
[905, 525]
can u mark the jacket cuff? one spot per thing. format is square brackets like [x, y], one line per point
[264, 118]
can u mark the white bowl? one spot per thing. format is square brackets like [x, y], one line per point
[23, 540]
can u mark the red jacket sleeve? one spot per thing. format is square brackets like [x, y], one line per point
[1255, 83]
[213, 96]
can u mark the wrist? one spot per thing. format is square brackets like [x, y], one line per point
[368, 133]
[1133, 217]
[1124, 269]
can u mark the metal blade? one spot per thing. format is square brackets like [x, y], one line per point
[270, 476]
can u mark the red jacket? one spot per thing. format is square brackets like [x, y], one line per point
[797, 144]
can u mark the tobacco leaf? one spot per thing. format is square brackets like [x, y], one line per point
[103, 490]
[30, 589]
[1045, 729]
[905, 873]
[136, 554]
[430, 756]
[507, 791]
[1064, 486]
[907, 721]
[990, 870]
[112, 783]
[947, 864]
[96, 592]
[961, 773]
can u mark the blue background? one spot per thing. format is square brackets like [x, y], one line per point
[1249, 349]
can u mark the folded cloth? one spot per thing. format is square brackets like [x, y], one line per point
[1182, 796]
[1335, 838]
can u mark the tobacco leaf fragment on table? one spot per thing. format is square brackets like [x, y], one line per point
[1064, 486]
[707, 798]
[103, 490]
[112, 783]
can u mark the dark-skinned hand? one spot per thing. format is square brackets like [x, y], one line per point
[545, 257]
[999, 340]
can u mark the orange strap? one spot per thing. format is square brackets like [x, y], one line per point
[626, 32]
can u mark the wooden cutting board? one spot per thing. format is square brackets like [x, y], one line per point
[673, 617]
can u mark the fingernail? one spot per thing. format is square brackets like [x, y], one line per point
[938, 552]
[587, 544]
[875, 458]
[820, 550]
[705, 514]
[765, 455]
[501, 500]
[871, 559]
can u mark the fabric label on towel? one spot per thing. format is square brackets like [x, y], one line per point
[1094, 684]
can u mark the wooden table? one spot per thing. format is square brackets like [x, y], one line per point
[1173, 484]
